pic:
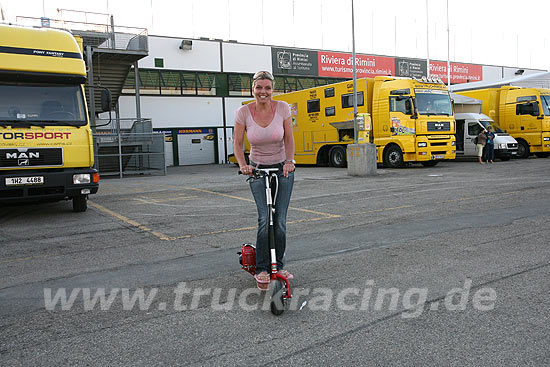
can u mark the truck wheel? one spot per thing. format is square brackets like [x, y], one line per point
[429, 163]
[393, 157]
[338, 156]
[523, 149]
[542, 154]
[80, 203]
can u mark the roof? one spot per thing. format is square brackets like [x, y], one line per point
[535, 80]
[460, 99]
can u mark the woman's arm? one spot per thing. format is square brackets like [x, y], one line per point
[289, 146]
[238, 140]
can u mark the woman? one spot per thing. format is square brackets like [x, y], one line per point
[490, 144]
[481, 140]
[268, 128]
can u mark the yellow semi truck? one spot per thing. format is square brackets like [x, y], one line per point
[46, 146]
[523, 113]
[412, 121]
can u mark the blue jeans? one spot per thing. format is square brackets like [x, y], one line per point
[490, 153]
[263, 256]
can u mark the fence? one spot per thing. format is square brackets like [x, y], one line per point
[128, 147]
[103, 36]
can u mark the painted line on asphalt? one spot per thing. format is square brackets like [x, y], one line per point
[129, 221]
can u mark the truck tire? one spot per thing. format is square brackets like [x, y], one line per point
[337, 156]
[429, 163]
[542, 154]
[80, 203]
[523, 149]
[393, 157]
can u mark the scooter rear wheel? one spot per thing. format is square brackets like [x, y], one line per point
[277, 304]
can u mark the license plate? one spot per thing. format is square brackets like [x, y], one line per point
[439, 156]
[16, 181]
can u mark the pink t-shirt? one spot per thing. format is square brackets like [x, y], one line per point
[267, 145]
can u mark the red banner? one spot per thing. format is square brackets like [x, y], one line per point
[460, 73]
[340, 65]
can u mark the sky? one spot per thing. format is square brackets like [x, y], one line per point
[490, 32]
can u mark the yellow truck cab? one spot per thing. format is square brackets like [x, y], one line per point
[412, 121]
[524, 113]
[46, 147]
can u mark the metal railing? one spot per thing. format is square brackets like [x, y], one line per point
[103, 36]
[128, 147]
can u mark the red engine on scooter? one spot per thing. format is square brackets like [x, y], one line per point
[247, 258]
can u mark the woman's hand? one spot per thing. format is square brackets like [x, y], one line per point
[287, 168]
[246, 170]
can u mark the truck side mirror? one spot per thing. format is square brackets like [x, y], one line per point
[106, 100]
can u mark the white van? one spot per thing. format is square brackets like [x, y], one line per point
[468, 126]
[470, 121]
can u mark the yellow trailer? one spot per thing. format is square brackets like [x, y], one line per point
[523, 113]
[412, 121]
[46, 147]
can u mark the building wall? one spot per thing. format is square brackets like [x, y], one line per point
[204, 55]
[492, 72]
[176, 112]
[239, 58]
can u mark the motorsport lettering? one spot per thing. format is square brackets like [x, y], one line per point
[37, 135]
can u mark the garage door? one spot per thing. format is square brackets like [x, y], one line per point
[196, 146]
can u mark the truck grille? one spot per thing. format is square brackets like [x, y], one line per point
[30, 157]
[439, 126]
[512, 145]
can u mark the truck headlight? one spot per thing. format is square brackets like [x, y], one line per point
[502, 146]
[422, 145]
[547, 138]
[81, 178]
[453, 143]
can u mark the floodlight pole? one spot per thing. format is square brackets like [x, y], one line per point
[354, 75]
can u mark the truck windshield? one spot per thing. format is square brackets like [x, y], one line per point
[43, 105]
[496, 127]
[433, 102]
[545, 99]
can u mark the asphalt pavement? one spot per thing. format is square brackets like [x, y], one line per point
[445, 266]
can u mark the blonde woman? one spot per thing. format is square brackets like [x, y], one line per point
[268, 127]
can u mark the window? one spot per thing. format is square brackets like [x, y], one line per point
[526, 99]
[530, 108]
[189, 83]
[330, 111]
[159, 63]
[206, 84]
[401, 104]
[239, 85]
[313, 105]
[170, 82]
[149, 81]
[329, 92]
[473, 129]
[347, 100]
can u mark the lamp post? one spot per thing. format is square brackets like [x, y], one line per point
[354, 75]
[361, 157]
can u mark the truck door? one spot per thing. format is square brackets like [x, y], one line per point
[460, 136]
[400, 116]
[470, 149]
[528, 111]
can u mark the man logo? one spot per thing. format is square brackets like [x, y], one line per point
[22, 155]
[23, 162]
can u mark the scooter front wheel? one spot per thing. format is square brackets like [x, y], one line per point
[277, 304]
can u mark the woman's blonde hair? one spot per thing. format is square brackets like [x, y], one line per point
[262, 75]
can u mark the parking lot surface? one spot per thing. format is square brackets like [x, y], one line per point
[460, 250]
